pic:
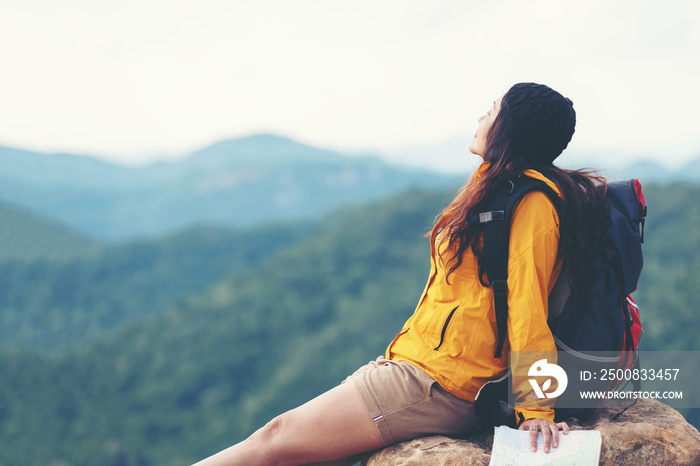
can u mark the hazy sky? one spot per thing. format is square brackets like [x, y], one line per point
[134, 80]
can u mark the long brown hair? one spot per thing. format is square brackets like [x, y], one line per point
[581, 215]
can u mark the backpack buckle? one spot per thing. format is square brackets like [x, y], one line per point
[499, 286]
[486, 217]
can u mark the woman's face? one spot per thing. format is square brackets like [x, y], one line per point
[478, 144]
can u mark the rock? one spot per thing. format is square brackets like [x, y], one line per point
[434, 451]
[646, 433]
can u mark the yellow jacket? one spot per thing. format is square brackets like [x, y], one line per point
[452, 334]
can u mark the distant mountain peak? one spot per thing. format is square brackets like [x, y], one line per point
[261, 148]
[258, 138]
[265, 137]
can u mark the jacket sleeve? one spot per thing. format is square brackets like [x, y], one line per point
[532, 272]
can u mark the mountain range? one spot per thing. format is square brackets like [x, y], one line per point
[242, 182]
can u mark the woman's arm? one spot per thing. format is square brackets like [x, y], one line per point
[532, 271]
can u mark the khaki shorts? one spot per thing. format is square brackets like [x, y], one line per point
[406, 403]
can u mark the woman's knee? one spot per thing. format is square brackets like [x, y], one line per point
[269, 442]
[268, 432]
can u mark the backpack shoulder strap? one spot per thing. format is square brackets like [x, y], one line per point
[496, 228]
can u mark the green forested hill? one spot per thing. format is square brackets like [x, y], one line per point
[669, 287]
[48, 306]
[176, 386]
[28, 237]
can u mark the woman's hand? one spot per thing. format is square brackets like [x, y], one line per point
[550, 432]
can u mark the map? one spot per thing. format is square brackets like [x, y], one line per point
[511, 447]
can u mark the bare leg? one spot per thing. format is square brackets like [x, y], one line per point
[332, 426]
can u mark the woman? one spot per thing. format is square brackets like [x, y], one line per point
[428, 380]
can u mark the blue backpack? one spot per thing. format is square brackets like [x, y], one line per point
[605, 318]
